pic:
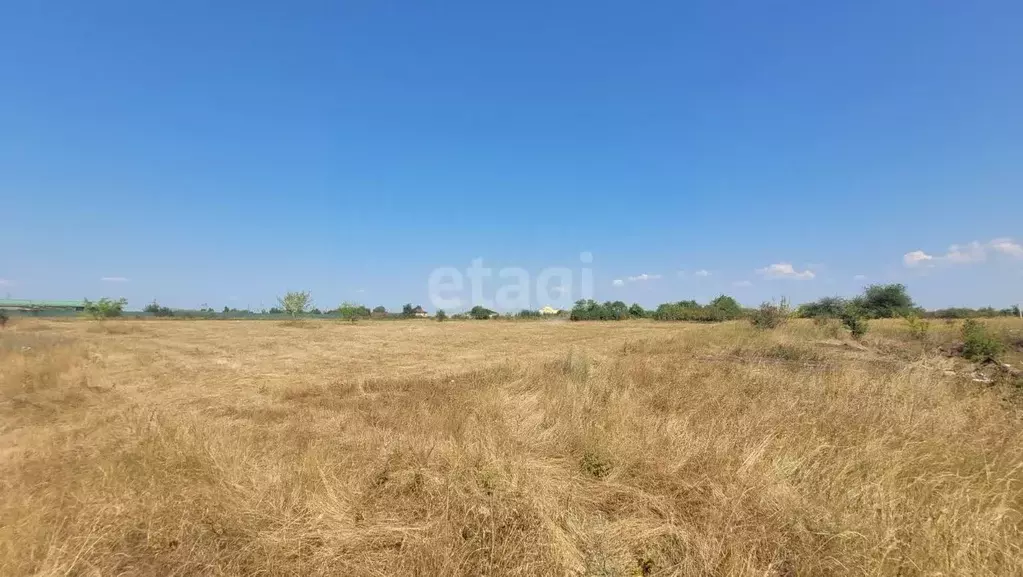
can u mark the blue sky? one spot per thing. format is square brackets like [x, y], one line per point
[225, 152]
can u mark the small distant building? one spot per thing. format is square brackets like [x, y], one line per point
[547, 310]
[38, 306]
[419, 313]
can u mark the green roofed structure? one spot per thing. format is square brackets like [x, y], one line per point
[29, 305]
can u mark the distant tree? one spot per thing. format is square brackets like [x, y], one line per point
[441, 315]
[379, 311]
[156, 310]
[3, 319]
[591, 310]
[480, 313]
[528, 314]
[296, 302]
[770, 315]
[729, 307]
[276, 311]
[617, 310]
[884, 301]
[105, 308]
[636, 311]
[406, 310]
[825, 308]
[227, 309]
[352, 311]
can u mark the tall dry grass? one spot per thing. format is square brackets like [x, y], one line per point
[629, 449]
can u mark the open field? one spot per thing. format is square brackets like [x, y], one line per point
[502, 448]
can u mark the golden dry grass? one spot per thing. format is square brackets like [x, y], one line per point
[497, 448]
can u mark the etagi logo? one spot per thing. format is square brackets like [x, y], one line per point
[516, 289]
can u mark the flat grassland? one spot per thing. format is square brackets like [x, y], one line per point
[501, 448]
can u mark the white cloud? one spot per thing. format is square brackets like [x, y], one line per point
[965, 253]
[5, 282]
[617, 282]
[785, 270]
[702, 272]
[860, 277]
[742, 283]
[360, 290]
[559, 290]
[973, 252]
[643, 277]
[1006, 246]
[114, 279]
[916, 258]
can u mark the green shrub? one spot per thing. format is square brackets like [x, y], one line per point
[825, 308]
[728, 307]
[591, 310]
[722, 308]
[481, 313]
[596, 463]
[884, 301]
[105, 308]
[3, 319]
[770, 315]
[441, 316]
[978, 343]
[156, 310]
[918, 327]
[856, 323]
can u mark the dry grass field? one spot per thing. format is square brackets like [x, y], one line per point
[501, 448]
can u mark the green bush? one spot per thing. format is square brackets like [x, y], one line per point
[884, 301]
[918, 327]
[352, 312]
[3, 319]
[855, 322]
[722, 308]
[825, 308]
[978, 343]
[591, 310]
[770, 315]
[728, 307]
[105, 308]
[441, 315]
[156, 310]
[480, 313]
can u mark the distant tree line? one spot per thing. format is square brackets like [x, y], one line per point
[876, 302]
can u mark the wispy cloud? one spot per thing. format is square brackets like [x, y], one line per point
[360, 290]
[702, 273]
[617, 282]
[860, 277]
[559, 290]
[917, 258]
[785, 270]
[969, 253]
[114, 279]
[5, 282]
[1006, 246]
[742, 283]
[643, 277]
